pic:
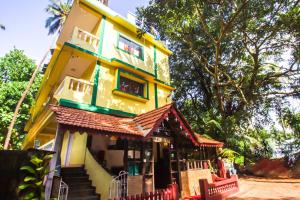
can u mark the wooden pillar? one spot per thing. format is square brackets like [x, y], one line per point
[176, 146]
[55, 161]
[143, 165]
[152, 166]
[125, 156]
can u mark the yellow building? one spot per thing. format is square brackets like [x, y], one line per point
[105, 105]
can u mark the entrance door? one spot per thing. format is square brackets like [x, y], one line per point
[162, 174]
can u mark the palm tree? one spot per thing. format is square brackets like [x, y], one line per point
[59, 11]
[2, 27]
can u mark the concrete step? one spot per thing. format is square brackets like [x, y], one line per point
[82, 192]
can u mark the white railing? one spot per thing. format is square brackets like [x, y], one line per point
[48, 146]
[74, 89]
[118, 186]
[63, 191]
[85, 39]
[197, 164]
[105, 2]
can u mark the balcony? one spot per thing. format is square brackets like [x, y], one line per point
[85, 40]
[73, 89]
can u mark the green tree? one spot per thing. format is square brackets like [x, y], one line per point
[58, 11]
[232, 60]
[15, 72]
[291, 138]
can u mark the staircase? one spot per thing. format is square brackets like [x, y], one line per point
[80, 187]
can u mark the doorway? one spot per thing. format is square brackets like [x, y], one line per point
[162, 173]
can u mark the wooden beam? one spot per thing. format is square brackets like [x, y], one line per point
[125, 156]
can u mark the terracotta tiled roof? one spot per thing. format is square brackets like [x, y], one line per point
[96, 121]
[150, 120]
[142, 125]
[203, 141]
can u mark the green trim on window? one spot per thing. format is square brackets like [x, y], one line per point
[155, 62]
[146, 98]
[97, 109]
[131, 66]
[162, 82]
[96, 83]
[118, 41]
[107, 59]
[101, 36]
[132, 74]
[135, 76]
[118, 79]
[156, 96]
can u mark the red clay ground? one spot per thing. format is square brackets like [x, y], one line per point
[267, 189]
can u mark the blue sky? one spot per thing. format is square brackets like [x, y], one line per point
[25, 20]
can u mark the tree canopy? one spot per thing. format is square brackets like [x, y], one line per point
[15, 71]
[233, 62]
[58, 11]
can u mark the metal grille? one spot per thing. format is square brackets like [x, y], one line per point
[63, 191]
[118, 186]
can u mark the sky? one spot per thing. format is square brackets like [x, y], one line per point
[25, 24]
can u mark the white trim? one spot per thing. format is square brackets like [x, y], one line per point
[69, 149]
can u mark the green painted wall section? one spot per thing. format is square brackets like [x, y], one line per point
[91, 108]
[96, 83]
[156, 97]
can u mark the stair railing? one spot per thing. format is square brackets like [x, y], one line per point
[63, 191]
[118, 186]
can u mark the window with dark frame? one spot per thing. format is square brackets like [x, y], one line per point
[130, 47]
[131, 86]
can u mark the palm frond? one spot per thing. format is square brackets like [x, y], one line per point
[2, 27]
[55, 26]
[58, 12]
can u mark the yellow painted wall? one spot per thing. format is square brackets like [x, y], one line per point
[105, 98]
[163, 71]
[162, 95]
[64, 148]
[112, 30]
[78, 149]
[99, 177]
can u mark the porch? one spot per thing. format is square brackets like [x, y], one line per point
[155, 150]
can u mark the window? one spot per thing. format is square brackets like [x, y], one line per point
[130, 47]
[131, 86]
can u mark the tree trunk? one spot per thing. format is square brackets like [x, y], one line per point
[13, 121]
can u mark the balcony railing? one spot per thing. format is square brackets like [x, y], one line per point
[85, 39]
[73, 89]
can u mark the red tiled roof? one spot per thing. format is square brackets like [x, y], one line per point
[150, 120]
[97, 121]
[142, 125]
[203, 141]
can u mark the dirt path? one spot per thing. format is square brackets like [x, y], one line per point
[267, 189]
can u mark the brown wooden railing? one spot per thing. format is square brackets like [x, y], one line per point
[220, 189]
[171, 193]
[197, 164]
